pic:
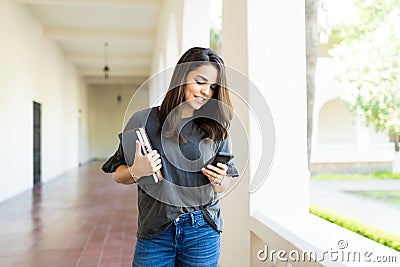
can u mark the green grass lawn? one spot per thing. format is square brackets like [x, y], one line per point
[375, 234]
[342, 177]
[392, 196]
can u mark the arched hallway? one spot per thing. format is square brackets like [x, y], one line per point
[82, 218]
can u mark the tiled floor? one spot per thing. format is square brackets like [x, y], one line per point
[82, 218]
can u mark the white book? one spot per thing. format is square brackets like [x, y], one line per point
[146, 148]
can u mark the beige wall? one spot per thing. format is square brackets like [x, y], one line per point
[107, 116]
[34, 69]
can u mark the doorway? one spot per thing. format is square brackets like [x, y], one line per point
[36, 143]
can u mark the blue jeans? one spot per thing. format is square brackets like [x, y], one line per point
[189, 241]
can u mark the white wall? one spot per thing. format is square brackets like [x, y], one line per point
[107, 116]
[34, 69]
[83, 124]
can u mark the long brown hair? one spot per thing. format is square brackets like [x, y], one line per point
[214, 117]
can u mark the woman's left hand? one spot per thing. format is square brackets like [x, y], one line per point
[215, 174]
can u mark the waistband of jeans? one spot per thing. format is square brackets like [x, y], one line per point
[190, 217]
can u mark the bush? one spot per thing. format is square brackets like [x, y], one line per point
[385, 238]
[340, 177]
[386, 175]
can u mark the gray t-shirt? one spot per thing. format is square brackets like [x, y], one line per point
[184, 187]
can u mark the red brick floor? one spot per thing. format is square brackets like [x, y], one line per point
[82, 218]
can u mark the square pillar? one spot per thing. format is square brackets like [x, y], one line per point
[235, 205]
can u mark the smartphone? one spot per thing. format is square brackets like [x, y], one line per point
[222, 157]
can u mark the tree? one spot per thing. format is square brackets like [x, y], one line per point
[311, 10]
[215, 38]
[370, 67]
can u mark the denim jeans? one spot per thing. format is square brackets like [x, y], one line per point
[189, 241]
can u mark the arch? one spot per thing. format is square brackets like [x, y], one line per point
[336, 123]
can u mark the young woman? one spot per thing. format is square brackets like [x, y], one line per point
[179, 221]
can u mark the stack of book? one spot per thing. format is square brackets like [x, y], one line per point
[147, 148]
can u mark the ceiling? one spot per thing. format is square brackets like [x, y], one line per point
[82, 27]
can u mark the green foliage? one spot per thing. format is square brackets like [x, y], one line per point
[215, 35]
[392, 196]
[386, 175]
[339, 177]
[375, 234]
[370, 64]
[334, 38]
[370, 15]
[215, 39]
[343, 177]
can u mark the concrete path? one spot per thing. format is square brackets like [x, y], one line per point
[332, 195]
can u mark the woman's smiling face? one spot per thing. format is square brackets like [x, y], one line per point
[199, 88]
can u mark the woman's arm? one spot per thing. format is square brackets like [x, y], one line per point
[143, 165]
[223, 186]
[123, 176]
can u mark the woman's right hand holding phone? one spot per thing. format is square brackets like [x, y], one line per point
[217, 176]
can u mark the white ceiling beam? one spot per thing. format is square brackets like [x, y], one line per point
[96, 80]
[115, 71]
[116, 3]
[112, 57]
[64, 33]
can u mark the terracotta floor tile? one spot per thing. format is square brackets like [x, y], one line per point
[80, 219]
[110, 259]
[112, 252]
[8, 260]
[72, 252]
[109, 265]
[23, 264]
[89, 260]
[127, 258]
[126, 264]
[63, 264]
[67, 261]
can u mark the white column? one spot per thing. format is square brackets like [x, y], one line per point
[182, 24]
[167, 47]
[277, 66]
[266, 41]
[195, 24]
[235, 206]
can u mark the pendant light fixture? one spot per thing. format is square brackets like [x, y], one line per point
[106, 68]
